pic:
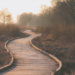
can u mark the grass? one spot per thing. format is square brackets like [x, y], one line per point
[60, 42]
[7, 32]
[10, 30]
[67, 33]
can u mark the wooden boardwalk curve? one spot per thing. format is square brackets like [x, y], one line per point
[29, 60]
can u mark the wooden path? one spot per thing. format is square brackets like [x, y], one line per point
[29, 61]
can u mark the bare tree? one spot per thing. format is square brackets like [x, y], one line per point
[5, 16]
[71, 8]
[9, 18]
[53, 2]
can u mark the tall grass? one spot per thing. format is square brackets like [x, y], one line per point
[59, 32]
[7, 32]
[9, 29]
[43, 29]
[66, 32]
[61, 44]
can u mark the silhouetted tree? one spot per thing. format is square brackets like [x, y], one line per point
[24, 18]
[71, 8]
[5, 16]
[45, 16]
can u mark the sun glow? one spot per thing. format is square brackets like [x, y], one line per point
[17, 7]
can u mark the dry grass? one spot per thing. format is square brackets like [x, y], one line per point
[43, 29]
[60, 42]
[67, 33]
[63, 51]
[8, 32]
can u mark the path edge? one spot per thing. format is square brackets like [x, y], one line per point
[12, 56]
[50, 55]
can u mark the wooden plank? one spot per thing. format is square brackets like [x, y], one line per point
[29, 60]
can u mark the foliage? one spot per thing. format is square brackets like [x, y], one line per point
[5, 16]
[24, 18]
[63, 13]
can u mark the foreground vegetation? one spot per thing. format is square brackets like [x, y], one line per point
[57, 24]
[8, 31]
[59, 41]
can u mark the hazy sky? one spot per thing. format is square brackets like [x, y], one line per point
[17, 7]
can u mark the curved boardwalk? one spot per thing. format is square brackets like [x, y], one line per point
[29, 61]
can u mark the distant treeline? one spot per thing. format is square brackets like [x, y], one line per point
[62, 12]
[27, 19]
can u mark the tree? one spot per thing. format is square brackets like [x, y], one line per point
[5, 16]
[65, 9]
[71, 8]
[24, 18]
[53, 2]
[45, 15]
